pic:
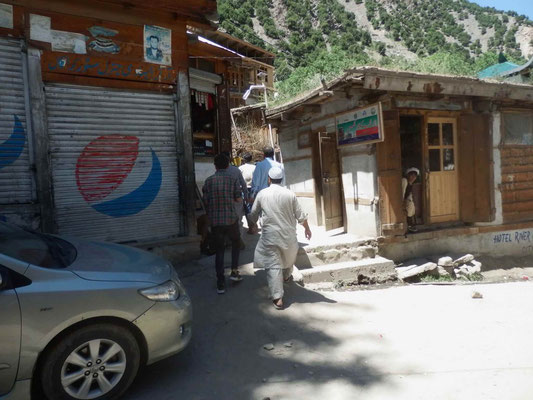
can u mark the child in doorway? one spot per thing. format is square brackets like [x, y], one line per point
[408, 204]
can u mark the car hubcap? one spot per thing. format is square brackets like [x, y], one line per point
[93, 369]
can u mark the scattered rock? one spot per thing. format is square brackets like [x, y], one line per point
[475, 267]
[442, 271]
[477, 295]
[288, 344]
[412, 270]
[297, 276]
[445, 262]
[463, 260]
[268, 346]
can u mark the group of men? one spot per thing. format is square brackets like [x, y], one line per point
[258, 191]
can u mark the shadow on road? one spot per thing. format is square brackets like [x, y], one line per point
[227, 359]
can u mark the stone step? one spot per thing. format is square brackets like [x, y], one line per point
[316, 255]
[379, 269]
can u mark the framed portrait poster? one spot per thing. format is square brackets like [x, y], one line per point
[157, 45]
[360, 126]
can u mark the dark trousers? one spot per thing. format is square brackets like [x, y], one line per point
[219, 237]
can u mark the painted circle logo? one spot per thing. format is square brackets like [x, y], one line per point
[104, 165]
[12, 147]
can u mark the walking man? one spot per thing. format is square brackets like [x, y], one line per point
[260, 176]
[278, 246]
[247, 171]
[221, 192]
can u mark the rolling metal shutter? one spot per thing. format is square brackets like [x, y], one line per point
[204, 81]
[15, 171]
[114, 163]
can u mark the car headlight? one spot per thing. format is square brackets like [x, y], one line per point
[167, 291]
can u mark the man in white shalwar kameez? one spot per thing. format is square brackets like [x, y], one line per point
[278, 246]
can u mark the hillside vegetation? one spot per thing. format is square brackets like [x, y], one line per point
[319, 38]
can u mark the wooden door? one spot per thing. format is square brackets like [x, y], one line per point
[331, 182]
[441, 170]
[475, 168]
[389, 159]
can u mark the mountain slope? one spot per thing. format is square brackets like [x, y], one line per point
[302, 31]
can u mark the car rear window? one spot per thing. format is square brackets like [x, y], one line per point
[35, 248]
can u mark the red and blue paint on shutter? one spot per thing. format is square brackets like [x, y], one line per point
[103, 166]
[11, 149]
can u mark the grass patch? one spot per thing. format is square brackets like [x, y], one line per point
[433, 278]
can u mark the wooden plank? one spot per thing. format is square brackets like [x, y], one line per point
[187, 179]
[389, 163]
[40, 143]
[308, 195]
[223, 117]
[109, 83]
[123, 12]
[102, 67]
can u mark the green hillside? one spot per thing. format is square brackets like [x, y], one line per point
[322, 37]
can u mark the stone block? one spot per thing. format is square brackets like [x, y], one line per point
[445, 261]
[413, 270]
[463, 260]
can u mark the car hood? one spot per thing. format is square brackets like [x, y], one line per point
[101, 261]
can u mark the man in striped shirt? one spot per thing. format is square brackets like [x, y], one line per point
[221, 192]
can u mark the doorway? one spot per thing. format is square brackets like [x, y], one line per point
[330, 175]
[430, 145]
[411, 135]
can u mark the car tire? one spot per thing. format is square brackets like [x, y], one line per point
[75, 367]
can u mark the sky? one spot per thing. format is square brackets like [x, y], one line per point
[520, 6]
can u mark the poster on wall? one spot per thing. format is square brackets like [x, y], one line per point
[6, 16]
[360, 126]
[157, 45]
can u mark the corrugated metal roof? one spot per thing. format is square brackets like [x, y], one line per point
[497, 70]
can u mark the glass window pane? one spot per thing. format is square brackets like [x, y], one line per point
[518, 128]
[434, 160]
[433, 135]
[449, 160]
[447, 134]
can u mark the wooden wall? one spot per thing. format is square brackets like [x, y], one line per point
[517, 182]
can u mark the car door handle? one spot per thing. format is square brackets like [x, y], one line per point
[4, 366]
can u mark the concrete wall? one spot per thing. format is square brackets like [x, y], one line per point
[517, 242]
[203, 169]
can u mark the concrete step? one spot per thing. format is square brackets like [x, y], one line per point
[378, 269]
[332, 253]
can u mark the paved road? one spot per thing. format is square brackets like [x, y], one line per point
[409, 342]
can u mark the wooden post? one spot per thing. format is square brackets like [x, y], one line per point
[43, 175]
[187, 179]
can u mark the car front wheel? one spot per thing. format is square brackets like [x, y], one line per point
[94, 362]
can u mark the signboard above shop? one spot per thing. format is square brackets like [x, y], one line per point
[360, 126]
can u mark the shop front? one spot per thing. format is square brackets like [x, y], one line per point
[99, 136]
[348, 147]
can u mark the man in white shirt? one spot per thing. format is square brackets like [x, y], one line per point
[247, 170]
[278, 246]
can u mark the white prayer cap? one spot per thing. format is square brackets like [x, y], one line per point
[412, 169]
[275, 173]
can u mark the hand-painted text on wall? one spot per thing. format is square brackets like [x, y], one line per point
[108, 68]
[513, 237]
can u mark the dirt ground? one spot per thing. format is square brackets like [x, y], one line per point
[405, 342]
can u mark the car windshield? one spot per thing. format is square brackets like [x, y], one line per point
[35, 248]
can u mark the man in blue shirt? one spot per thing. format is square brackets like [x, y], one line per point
[260, 177]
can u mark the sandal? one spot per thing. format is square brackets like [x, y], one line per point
[278, 306]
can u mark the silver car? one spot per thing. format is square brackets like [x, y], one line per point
[78, 318]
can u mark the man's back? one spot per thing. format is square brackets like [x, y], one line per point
[280, 213]
[260, 176]
[247, 171]
[220, 191]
